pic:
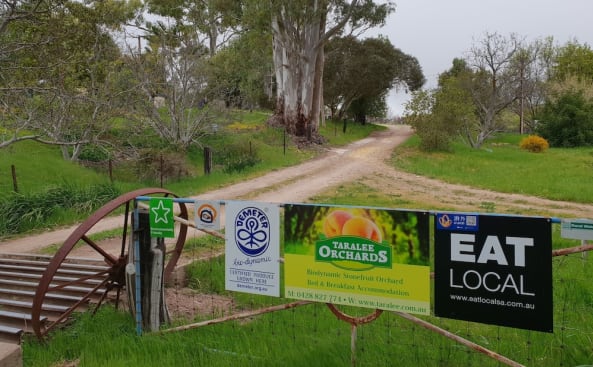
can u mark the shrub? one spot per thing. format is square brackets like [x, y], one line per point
[568, 121]
[236, 157]
[440, 116]
[534, 144]
[93, 153]
[154, 164]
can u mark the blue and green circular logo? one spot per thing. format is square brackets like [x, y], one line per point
[252, 231]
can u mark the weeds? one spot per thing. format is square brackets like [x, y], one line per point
[25, 212]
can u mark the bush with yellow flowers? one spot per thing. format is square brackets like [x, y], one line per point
[534, 144]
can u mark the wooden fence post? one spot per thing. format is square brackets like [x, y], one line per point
[284, 140]
[153, 309]
[207, 160]
[162, 169]
[15, 185]
[110, 170]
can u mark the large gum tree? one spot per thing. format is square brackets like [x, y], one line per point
[300, 30]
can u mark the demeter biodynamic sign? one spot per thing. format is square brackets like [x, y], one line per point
[363, 257]
[494, 270]
[252, 250]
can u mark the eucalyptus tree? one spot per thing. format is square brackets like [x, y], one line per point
[566, 118]
[210, 22]
[359, 74]
[574, 59]
[300, 31]
[241, 72]
[177, 98]
[443, 113]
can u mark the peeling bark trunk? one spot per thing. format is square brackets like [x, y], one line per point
[317, 104]
[297, 59]
[299, 36]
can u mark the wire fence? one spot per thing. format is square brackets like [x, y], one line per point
[264, 330]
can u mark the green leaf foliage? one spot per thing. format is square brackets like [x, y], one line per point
[568, 121]
[24, 212]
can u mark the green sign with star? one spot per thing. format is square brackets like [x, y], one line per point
[161, 217]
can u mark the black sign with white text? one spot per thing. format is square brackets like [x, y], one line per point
[494, 270]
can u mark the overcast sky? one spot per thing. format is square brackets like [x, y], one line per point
[436, 31]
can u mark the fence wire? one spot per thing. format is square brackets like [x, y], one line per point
[311, 335]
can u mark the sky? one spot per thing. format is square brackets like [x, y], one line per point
[437, 31]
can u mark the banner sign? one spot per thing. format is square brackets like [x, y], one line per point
[160, 217]
[578, 229]
[207, 214]
[494, 270]
[252, 248]
[372, 258]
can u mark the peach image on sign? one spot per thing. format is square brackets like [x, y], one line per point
[343, 223]
[334, 222]
[362, 227]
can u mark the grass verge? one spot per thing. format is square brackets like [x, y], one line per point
[500, 165]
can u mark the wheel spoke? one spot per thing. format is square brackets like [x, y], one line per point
[113, 276]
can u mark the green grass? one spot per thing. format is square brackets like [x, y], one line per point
[55, 205]
[333, 131]
[557, 174]
[312, 336]
[356, 193]
[40, 167]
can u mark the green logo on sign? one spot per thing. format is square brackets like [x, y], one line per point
[161, 217]
[353, 253]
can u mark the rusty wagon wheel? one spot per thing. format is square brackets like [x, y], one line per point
[66, 275]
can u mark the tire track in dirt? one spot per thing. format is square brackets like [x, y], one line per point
[298, 183]
[438, 195]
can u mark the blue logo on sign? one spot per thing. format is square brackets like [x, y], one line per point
[457, 222]
[252, 231]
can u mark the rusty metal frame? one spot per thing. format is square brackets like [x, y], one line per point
[114, 277]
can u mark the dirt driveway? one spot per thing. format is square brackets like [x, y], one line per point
[366, 162]
[363, 161]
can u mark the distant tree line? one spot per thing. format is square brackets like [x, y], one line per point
[72, 76]
[547, 87]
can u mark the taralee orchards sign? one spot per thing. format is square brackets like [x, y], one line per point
[494, 270]
[362, 257]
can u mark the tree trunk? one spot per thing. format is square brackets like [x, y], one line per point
[317, 104]
[297, 60]
[299, 35]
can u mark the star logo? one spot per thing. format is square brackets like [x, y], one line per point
[160, 213]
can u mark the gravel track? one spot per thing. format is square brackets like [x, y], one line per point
[363, 161]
